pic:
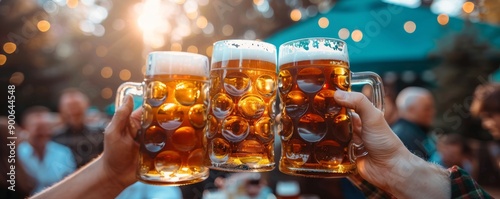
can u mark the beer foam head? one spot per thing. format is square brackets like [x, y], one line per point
[243, 49]
[177, 63]
[313, 49]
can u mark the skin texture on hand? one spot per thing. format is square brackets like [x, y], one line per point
[121, 150]
[388, 164]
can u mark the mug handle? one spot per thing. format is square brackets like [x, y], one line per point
[374, 80]
[128, 88]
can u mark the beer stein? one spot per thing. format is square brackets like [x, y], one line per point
[316, 133]
[175, 104]
[242, 97]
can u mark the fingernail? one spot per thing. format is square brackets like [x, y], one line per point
[340, 94]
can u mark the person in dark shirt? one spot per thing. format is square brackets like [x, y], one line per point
[85, 141]
[416, 111]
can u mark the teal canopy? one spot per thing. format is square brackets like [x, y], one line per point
[385, 44]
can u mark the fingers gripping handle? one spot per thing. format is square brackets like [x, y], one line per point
[127, 88]
[377, 98]
[375, 82]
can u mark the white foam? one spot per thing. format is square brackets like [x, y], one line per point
[243, 49]
[180, 63]
[292, 51]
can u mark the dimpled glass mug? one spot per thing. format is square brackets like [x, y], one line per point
[316, 133]
[241, 117]
[175, 93]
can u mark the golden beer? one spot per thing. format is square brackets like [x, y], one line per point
[175, 93]
[316, 133]
[240, 134]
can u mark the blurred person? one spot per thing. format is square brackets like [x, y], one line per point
[416, 111]
[147, 191]
[388, 165]
[390, 111]
[84, 140]
[452, 149]
[486, 106]
[247, 186]
[44, 160]
[24, 183]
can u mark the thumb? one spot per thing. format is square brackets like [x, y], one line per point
[370, 116]
[358, 102]
[122, 114]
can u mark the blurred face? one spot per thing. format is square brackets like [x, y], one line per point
[423, 110]
[451, 154]
[491, 122]
[39, 129]
[73, 106]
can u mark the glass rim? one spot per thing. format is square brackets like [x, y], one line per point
[228, 42]
[312, 39]
[237, 49]
[177, 53]
[177, 63]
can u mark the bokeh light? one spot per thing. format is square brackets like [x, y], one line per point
[357, 35]
[443, 19]
[344, 33]
[125, 74]
[227, 30]
[72, 3]
[192, 49]
[209, 50]
[106, 72]
[258, 2]
[176, 47]
[201, 22]
[9, 47]
[17, 78]
[43, 26]
[323, 22]
[295, 15]
[468, 7]
[3, 59]
[410, 27]
[106, 93]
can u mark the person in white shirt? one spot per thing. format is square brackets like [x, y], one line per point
[46, 161]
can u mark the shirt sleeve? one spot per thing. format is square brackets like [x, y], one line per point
[370, 191]
[463, 186]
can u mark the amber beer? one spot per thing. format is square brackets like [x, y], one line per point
[240, 134]
[316, 132]
[174, 118]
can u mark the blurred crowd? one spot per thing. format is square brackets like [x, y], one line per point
[52, 145]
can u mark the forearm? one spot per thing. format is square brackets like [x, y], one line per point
[413, 177]
[92, 181]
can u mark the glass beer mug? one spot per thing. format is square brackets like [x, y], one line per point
[241, 117]
[175, 93]
[316, 133]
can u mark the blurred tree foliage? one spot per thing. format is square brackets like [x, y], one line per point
[467, 61]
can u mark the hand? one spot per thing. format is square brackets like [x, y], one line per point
[388, 164]
[120, 156]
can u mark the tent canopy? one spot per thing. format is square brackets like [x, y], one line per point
[385, 45]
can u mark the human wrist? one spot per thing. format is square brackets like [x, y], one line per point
[413, 177]
[110, 177]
